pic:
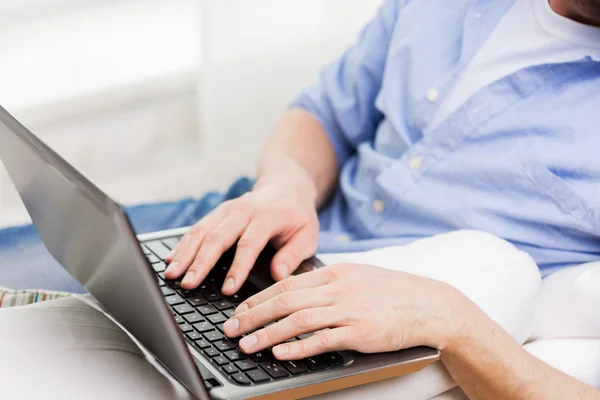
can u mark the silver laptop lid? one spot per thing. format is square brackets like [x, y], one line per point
[91, 237]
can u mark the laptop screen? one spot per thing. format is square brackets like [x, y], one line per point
[90, 236]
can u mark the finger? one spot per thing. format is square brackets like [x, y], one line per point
[301, 322]
[321, 342]
[275, 308]
[300, 247]
[188, 246]
[250, 245]
[309, 280]
[216, 242]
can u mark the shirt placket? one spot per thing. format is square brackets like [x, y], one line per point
[403, 176]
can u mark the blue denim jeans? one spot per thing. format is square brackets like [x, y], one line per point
[25, 262]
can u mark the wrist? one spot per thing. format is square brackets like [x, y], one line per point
[458, 320]
[288, 173]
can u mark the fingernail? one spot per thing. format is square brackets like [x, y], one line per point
[172, 267]
[229, 284]
[281, 350]
[231, 325]
[189, 278]
[283, 271]
[241, 308]
[249, 342]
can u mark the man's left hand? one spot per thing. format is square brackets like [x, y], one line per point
[366, 308]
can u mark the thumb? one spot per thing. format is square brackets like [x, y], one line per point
[288, 258]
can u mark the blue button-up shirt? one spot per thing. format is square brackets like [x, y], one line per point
[520, 159]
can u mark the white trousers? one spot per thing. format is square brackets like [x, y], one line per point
[68, 349]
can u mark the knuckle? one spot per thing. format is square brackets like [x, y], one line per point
[283, 301]
[300, 347]
[269, 334]
[303, 319]
[243, 206]
[198, 232]
[215, 240]
[247, 319]
[330, 273]
[284, 286]
[246, 243]
[324, 339]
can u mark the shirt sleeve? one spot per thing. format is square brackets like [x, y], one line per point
[344, 99]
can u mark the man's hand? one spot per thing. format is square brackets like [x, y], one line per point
[281, 209]
[367, 309]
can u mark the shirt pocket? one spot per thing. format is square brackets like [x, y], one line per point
[541, 181]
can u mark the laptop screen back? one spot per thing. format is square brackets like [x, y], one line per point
[90, 236]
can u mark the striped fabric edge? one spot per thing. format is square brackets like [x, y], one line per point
[14, 298]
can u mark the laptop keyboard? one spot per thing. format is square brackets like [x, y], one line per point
[201, 313]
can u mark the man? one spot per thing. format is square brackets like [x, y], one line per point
[471, 114]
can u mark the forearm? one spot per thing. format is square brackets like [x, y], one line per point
[299, 151]
[488, 364]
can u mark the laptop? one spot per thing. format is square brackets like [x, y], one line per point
[91, 237]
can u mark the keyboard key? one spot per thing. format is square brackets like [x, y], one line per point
[295, 367]
[305, 336]
[229, 369]
[176, 284]
[236, 298]
[217, 318]
[202, 344]
[207, 309]
[159, 266]
[332, 359]
[315, 364]
[158, 248]
[223, 304]
[245, 365]
[214, 336]
[220, 327]
[241, 378]
[171, 242]
[203, 327]
[213, 295]
[274, 369]
[152, 259]
[174, 300]
[145, 250]
[211, 352]
[229, 313]
[179, 319]
[187, 293]
[235, 355]
[220, 360]
[167, 291]
[260, 356]
[204, 286]
[183, 308]
[193, 335]
[258, 376]
[224, 345]
[193, 318]
[185, 328]
[197, 301]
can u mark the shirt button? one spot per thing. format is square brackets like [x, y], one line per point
[415, 162]
[343, 238]
[433, 95]
[378, 206]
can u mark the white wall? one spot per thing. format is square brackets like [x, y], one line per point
[258, 56]
[160, 99]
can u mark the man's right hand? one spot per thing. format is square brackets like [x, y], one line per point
[280, 209]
